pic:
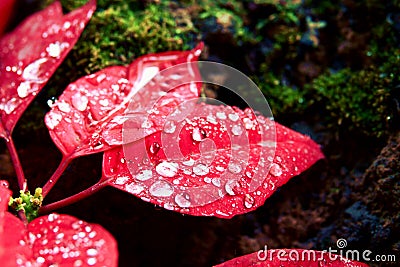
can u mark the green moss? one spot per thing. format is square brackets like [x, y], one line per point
[119, 32]
[355, 100]
[282, 99]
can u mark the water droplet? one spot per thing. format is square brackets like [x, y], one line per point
[53, 119]
[275, 170]
[167, 169]
[216, 182]
[144, 175]
[211, 119]
[233, 116]
[161, 189]
[147, 124]
[207, 180]
[169, 127]
[121, 180]
[234, 168]
[221, 115]
[91, 261]
[248, 201]
[54, 50]
[64, 106]
[34, 71]
[189, 162]
[201, 169]
[92, 252]
[237, 130]
[230, 186]
[154, 148]
[198, 134]
[23, 89]
[183, 200]
[248, 123]
[79, 101]
[104, 102]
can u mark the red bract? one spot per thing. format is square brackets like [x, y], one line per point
[31, 53]
[88, 116]
[215, 161]
[291, 258]
[60, 240]
[6, 8]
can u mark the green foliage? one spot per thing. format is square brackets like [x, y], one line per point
[355, 100]
[281, 98]
[28, 203]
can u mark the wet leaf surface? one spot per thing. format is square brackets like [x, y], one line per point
[56, 239]
[88, 116]
[31, 53]
[214, 169]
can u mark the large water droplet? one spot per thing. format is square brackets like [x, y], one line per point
[248, 201]
[234, 168]
[54, 50]
[183, 200]
[92, 252]
[233, 116]
[154, 148]
[169, 127]
[189, 162]
[221, 115]
[275, 170]
[237, 130]
[198, 134]
[34, 71]
[53, 119]
[230, 186]
[248, 123]
[216, 182]
[144, 175]
[79, 101]
[201, 169]
[23, 89]
[167, 169]
[161, 189]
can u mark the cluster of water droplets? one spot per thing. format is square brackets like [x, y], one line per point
[60, 238]
[179, 181]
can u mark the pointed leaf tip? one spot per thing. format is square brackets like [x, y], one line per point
[31, 53]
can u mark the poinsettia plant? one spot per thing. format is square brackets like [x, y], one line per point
[198, 159]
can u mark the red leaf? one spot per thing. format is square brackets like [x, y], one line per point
[56, 239]
[291, 258]
[6, 10]
[88, 116]
[224, 163]
[31, 53]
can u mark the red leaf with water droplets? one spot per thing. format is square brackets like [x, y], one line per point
[88, 116]
[291, 258]
[31, 53]
[56, 239]
[213, 161]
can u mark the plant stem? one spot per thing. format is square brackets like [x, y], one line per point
[22, 216]
[72, 199]
[17, 164]
[56, 175]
